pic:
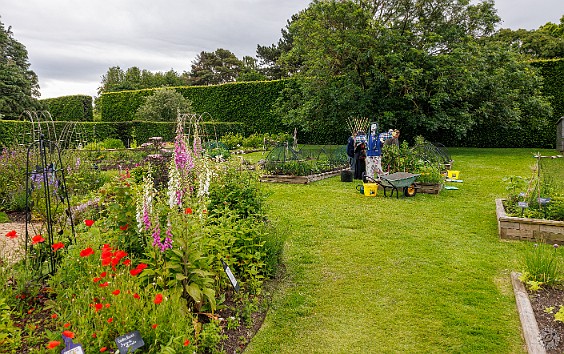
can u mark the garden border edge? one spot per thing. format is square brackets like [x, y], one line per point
[527, 317]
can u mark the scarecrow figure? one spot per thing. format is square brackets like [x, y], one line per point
[374, 153]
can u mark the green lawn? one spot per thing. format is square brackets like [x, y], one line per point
[383, 275]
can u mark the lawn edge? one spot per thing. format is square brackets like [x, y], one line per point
[526, 315]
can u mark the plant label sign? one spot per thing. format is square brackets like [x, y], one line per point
[230, 276]
[71, 348]
[129, 342]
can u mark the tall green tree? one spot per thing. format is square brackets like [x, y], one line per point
[116, 79]
[418, 65]
[19, 88]
[163, 106]
[546, 42]
[212, 68]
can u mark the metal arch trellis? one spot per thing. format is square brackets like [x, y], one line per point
[46, 193]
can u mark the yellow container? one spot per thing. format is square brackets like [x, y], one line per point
[370, 189]
[453, 174]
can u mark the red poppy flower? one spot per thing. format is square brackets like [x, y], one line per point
[37, 239]
[116, 292]
[94, 335]
[95, 280]
[87, 252]
[106, 253]
[188, 211]
[103, 349]
[136, 296]
[104, 284]
[103, 274]
[66, 325]
[106, 262]
[135, 271]
[186, 342]
[12, 234]
[124, 227]
[119, 254]
[158, 299]
[68, 334]
[154, 326]
[89, 222]
[107, 306]
[99, 307]
[53, 344]
[110, 320]
[127, 262]
[57, 246]
[53, 316]
[141, 266]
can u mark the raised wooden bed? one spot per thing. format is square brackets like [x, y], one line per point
[428, 188]
[515, 228]
[299, 179]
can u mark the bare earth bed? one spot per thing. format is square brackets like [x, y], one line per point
[551, 331]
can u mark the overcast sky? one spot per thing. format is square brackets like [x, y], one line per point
[71, 44]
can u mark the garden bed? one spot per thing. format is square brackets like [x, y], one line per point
[516, 228]
[428, 188]
[300, 179]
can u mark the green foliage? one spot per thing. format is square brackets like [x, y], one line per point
[247, 103]
[163, 106]
[133, 78]
[542, 264]
[70, 108]
[18, 83]
[9, 334]
[212, 68]
[12, 179]
[232, 140]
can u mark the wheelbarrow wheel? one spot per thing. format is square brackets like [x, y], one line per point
[410, 191]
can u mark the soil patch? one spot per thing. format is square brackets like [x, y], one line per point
[545, 303]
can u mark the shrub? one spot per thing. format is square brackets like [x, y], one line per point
[163, 105]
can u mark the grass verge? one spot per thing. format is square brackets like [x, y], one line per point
[387, 275]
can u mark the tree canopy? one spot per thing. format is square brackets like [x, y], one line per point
[420, 65]
[134, 78]
[19, 88]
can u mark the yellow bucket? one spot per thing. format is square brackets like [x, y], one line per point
[370, 189]
[453, 174]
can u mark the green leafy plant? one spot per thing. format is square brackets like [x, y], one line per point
[542, 265]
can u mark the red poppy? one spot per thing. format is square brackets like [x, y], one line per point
[135, 271]
[53, 344]
[99, 307]
[186, 342]
[103, 274]
[94, 335]
[158, 299]
[53, 316]
[106, 253]
[141, 266]
[57, 246]
[116, 292]
[107, 306]
[110, 320]
[103, 349]
[37, 239]
[104, 284]
[87, 252]
[68, 334]
[89, 222]
[188, 211]
[127, 262]
[106, 261]
[66, 325]
[154, 326]
[95, 280]
[124, 227]
[12, 234]
[136, 296]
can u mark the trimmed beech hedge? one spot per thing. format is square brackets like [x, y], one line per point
[552, 72]
[18, 132]
[248, 103]
[76, 108]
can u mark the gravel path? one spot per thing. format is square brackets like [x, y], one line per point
[12, 249]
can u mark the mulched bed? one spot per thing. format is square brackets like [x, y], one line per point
[552, 332]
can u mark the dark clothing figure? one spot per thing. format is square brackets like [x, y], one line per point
[360, 161]
[350, 152]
